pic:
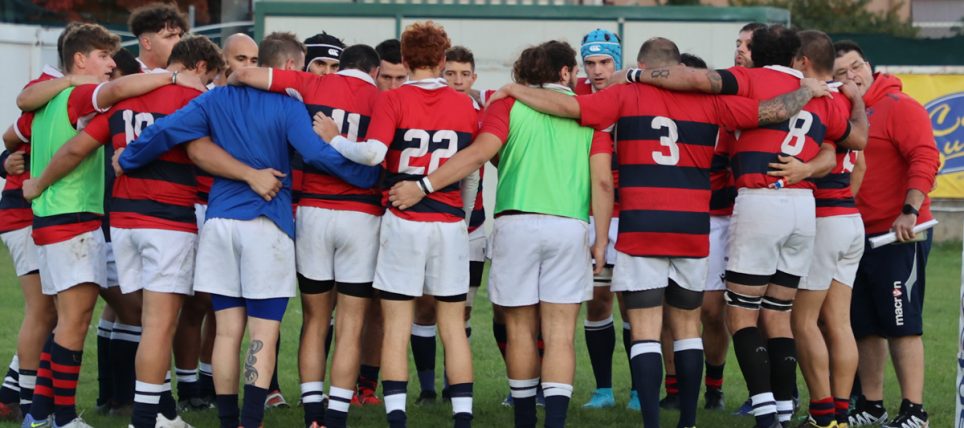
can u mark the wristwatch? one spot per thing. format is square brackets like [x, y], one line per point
[909, 209]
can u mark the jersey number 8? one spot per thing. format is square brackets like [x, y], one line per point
[423, 137]
[797, 136]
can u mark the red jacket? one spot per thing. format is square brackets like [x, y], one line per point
[900, 154]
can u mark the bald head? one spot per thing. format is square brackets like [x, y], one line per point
[240, 51]
[658, 52]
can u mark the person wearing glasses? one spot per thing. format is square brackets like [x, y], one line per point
[888, 293]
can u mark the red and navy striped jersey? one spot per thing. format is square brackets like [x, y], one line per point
[81, 105]
[15, 212]
[800, 136]
[664, 147]
[347, 97]
[204, 183]
[477, 219]
[832, 194]
[160, 195]
[722, 184]
[423, 123]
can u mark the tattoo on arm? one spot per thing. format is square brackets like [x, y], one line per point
[779, 109]
[251, 373]
[716, 82]
[659, 73]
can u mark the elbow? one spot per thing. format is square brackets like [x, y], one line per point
[604, 185]
[23, 104]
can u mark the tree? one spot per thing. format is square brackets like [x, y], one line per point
[840, 16]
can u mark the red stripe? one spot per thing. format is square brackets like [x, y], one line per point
[61, 400]
[54, 234]
[59, 368]
[714, 383]
[670, 244]
[65, 384]
[130, 220]
[43, 391]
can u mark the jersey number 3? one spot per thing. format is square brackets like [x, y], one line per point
[668, 141]
[448, 138]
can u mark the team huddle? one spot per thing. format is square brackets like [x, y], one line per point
[196, 189]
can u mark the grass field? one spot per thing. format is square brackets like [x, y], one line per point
[941, 320]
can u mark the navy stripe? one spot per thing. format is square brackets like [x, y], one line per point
[363, 120]
[477, 218]
[202, 196]
[833, 181]
[695, 223]
[13, 199]
[816, 132]
[62, 219]
[720, 162]
[343, 400]
[399, 142]
[367, 199]
[835, 203]
[428, 205]
[391, 179]
[722, 198]
[752, 163]
[641, 128]
[162, 170]
[676, 177]
[154, 209]
[202, 173]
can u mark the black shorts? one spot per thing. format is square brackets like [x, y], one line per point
[888, 297]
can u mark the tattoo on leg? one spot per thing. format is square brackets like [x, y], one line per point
[251, 373]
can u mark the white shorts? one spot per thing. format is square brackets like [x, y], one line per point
[613, 232]
[78, 260]
[113, 279]
[253, 259]
[649, 273]
[419, 258]
[771, 230]
[719, 227]
[336, 245]
[155, 259]
[478, 244]
[22, 250]
[200, 211]
[540, 258]
[837, 250]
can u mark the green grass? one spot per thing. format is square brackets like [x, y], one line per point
[490, 386]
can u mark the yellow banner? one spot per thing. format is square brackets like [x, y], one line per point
[943, 97]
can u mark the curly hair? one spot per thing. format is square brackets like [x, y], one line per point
[542, 64]
[85, 38]
[774, 45]
[192, 49]
[155, 17]
[424, 45]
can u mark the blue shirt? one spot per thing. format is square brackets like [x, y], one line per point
[258, 128]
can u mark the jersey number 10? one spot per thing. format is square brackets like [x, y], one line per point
[134, 124]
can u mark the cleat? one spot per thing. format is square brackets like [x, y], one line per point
[196, 403]
[810, 423]
[602, 398]
[670, 402]
[860, 417]
[426, 398]
[164, 422]
[367, 397]
[746, 409]
[275, 401]
[30, 422]
[76, 423]
[633, 403]
[908, 419]
[714, 399]
[508, 402]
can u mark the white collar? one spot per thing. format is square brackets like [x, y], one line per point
[430, 84]
[556, 87]
[146, 69]
[358, 74]
[783, 69]
[52, 71]
[835, 86]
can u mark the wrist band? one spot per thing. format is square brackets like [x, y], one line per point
[632, 76]
[174, 78]
[421, 186]
[427, 185]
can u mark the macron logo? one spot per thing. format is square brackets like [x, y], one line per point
[898, 304]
